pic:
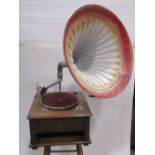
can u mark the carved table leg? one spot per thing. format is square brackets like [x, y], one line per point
[79, 149]
[46, 150]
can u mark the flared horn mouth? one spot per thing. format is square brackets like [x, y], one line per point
[98, 51]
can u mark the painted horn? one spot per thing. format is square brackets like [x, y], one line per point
[98, 51]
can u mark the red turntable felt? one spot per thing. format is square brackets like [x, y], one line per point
[59, 100]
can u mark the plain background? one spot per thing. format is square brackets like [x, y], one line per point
[145, 75]
[41, 32]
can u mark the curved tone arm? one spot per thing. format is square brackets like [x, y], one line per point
[43, 90]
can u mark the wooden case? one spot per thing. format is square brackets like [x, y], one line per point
[64, 127]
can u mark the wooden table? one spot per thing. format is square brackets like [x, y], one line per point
[65, 127]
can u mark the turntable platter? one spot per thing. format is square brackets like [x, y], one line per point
[59, 100]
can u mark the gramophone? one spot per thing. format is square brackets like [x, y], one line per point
[98, 54]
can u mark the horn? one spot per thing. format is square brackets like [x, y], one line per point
[98, 51]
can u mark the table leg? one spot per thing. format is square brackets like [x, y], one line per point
[79, 149]
[46, 150]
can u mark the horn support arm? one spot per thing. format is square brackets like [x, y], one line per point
[61, 65]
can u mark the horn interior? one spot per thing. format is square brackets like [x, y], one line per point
[94, 53]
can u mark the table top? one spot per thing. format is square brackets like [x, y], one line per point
[37, 111]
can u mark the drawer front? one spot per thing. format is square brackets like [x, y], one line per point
[57, 125]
